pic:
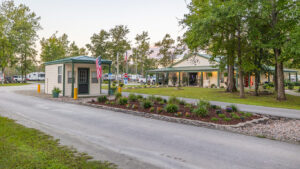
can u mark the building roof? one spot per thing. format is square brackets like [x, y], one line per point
[186, 69]
[78, 59]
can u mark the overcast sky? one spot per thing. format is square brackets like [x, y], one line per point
[79, 19]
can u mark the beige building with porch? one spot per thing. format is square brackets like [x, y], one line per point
[198, 70]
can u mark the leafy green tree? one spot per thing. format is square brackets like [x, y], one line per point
[74, 50]
[141, 53]
[165, 50]
[118, 45]
[99, 45]
[54, 47]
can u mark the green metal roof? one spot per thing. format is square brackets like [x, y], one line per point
[271, 68]
[186, 69]
[78, 59]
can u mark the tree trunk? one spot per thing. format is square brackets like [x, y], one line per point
[230, 80]
[275, 78]
[3, 69]
[257, 81]
[241, 76]
[280, 82]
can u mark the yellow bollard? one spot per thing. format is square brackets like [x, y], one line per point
[120, 89]
[39, 88]
[75, 94]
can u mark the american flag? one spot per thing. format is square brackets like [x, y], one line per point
[99, 67]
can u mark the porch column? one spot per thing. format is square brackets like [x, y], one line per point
[218, 78]
[179, 79]
[296, 77]
[188, 77]
[157, 78]
[289, 77]
[268, 77]
[201, 79]
[64, 74]
[73, 81]
[109, 81]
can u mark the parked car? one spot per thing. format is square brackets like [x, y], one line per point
[9, 79]
[142, 80]
[18, 79]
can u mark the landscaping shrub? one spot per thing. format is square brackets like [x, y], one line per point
[134, 106]
[227, 119]
[178, 114]
[221, 115]
[299, 89]
[107, 102]
[171, 108]
[235, 116]
[213, 106]
[187, 114]
[200, 111]
[229, 109]
[159, 110]
[234, 108]
[121, 84]
[290, 86]
[165, 101]
[173, 100]
[118, 95]
[159, 99]
[182, 102]
[102, 99]
[146, 104]
[132, 97]
[213, 86]
[139, 97]
[128, 106]
[161, 102]
[189, 106]
[214, 119]
[203, 103]
[248, 114]
[112, 103]
[122, 100]
[152, 98]
[152, 109]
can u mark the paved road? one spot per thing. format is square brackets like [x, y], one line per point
[280, 112]
[137, 142]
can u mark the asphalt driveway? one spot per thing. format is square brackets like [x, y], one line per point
[138, 142]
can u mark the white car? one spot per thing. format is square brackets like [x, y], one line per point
[142, 80]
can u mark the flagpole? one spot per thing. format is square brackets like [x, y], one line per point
[117, 67]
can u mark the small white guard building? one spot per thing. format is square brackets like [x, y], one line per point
[74, 72]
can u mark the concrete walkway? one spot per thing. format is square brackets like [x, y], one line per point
[280, 112]
[292, 92]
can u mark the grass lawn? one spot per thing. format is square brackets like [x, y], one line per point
[22, 147]
[13, 84]
[293, 102]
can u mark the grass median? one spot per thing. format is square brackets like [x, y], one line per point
[292, 102]
[22, 147]
[13, 84]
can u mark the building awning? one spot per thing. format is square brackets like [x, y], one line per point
[78, 59]
[186, 69]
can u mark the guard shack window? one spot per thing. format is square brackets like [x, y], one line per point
[59, 78]
[70, 76]
[94, 77]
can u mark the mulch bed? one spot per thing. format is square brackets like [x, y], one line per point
[183, 110]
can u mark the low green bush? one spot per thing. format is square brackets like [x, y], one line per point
[107, 102]
[102, 99]
[162, 102]
[152, 98]
[182, 102]
[159, 99]
[221, 115]
[235, 116]
[171, 108]
[213, 106]
[248, 114]
[152, 109]
[227, 119]
[234, 108]
[134, 106]
[200, 111]
[118, 95]
[122, 100]
[214, 119]
[132, 97]
[139, 97]
[146, 104]
[291, 87]
[128, 105]
[203, 103]
[173, 100]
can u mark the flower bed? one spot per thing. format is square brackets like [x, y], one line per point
[202, 111]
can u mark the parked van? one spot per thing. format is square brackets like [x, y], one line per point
[18, 78]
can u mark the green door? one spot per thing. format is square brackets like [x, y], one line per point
[83, 81]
